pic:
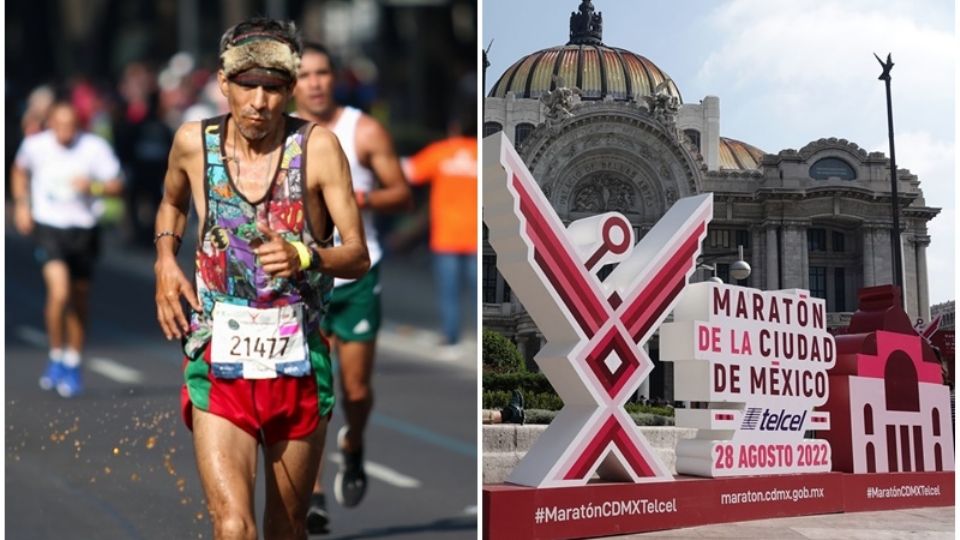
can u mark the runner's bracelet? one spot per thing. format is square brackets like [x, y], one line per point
[304, 253]
[161, 234]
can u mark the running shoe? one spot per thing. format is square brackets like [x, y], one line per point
[351, 482]
[70, 383]
[51, 376]
[317, 517]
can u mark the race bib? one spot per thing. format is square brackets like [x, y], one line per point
[258, 343]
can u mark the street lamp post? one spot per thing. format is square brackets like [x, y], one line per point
[739, 269]
[895, 238]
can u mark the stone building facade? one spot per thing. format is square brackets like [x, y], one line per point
[603, 128]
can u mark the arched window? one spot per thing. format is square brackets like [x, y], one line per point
[938, 457]
[832, 167]
[871, 457]
[900, 383]
[935, 413]
[867, 419]
[489, 128]
[521, 132]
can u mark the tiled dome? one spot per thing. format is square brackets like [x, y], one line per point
[597, 70]
[738, 155]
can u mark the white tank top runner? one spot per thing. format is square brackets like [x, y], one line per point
[363, 180]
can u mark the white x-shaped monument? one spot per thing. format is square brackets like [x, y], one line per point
[595, 330]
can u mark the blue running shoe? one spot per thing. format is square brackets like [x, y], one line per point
[51, 376]
[70, 383]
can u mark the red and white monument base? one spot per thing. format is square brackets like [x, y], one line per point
[603, 509]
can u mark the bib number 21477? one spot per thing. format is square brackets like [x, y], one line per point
[258, 343]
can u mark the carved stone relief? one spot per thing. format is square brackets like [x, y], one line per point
[603, 192]
[626, 146]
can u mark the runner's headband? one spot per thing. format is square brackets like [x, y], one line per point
[260, 59]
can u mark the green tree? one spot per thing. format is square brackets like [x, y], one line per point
[500, 355]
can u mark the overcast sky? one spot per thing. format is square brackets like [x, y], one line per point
[787, 73]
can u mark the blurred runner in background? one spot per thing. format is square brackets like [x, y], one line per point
[450, 166]
[58, 178]
[353, 318]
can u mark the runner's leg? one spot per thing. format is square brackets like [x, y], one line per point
[445, 272]
[335, 353]
[291, 468]
[356, 371]
[227, 461]
[56, 277]
[317, 484]
[76, 315]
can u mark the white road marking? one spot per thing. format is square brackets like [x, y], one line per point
[33, 336]
[115, 371]
[470, 510]
[383, 473]
[422, 344]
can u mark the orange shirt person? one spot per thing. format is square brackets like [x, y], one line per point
[450, 166]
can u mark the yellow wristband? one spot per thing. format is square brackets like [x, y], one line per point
[97, 189]
[304, 252]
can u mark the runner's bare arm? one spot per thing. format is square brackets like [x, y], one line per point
[328, 179]
[329, 172]
[107, 188]
[20, 190]
[172, 217]
[376, 148]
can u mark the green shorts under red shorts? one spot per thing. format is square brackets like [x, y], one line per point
[284, 408]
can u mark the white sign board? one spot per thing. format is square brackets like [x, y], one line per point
[760, 359]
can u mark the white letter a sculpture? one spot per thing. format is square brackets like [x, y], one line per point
[595, 330]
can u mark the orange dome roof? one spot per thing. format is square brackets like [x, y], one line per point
[738, 155]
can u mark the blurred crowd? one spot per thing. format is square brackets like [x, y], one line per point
[138, 114]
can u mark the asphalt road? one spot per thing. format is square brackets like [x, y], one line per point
[117, 461]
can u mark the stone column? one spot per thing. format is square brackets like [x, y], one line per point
[869, 273]
[794, 255]
[882, 256]
[910, 296]
[756, 258]
[804, 258]
[922, 283]
[772, 268]
[522, 340]
[710, 137]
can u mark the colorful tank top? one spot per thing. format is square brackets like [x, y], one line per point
[226, 265]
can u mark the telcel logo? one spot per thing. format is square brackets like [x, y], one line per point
[773, 421]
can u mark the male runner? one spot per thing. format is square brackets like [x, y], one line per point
[269, 189]
[58, 178]
[353, 318]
